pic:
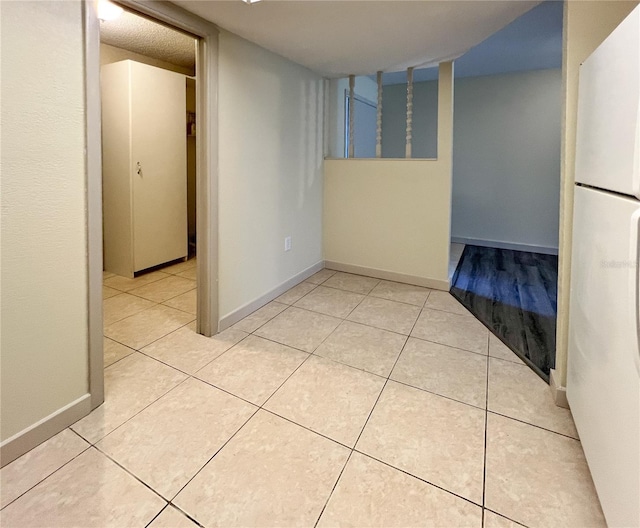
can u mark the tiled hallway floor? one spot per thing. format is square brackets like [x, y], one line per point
[347, 401]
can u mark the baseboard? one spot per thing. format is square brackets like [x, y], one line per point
[49, 426]
[235, 316]
[505, 245]
[558, 392]
[436, 284]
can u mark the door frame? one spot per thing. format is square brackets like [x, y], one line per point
[347, 110]
[206, 172]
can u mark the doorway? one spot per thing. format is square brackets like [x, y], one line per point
[364, 126]
[202, 132]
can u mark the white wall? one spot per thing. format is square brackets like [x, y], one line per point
[506, 153]
[391, 218]
[425, 120]
[506, 158]
[270, 172]
[364, 87]
[44, 354]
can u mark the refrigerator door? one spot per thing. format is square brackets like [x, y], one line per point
[603, 371]
[608, 136]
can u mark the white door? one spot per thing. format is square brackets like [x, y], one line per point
[603, 371]
[608, 140]
[159, 165]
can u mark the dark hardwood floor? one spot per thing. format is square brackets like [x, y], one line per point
[514, 293]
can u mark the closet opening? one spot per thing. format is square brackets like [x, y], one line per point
[148, 107]
[151, 111]
[148, 104]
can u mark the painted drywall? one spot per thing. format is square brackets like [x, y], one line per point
[393, 216]
[506, 159]
[270, 171]
[365, 88]
[424, 124]
[586, 25]
[109, 54]
[44, 353]
[506, 153]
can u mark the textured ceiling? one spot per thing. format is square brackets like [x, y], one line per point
[140, 35]
[341, 37]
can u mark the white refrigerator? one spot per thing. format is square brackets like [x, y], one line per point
[603, 372]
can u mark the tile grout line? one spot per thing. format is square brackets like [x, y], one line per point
[108, 457]
[458, 349]
[293, 305]
[258, 409]
[134, 278]
[335, 485]
[156, 515]
[261, 407]
[486, 425]
[418, 478]
[151, 342]
[189, 376]
[271, 340]
[312, 353]
[315, 287]
[131, 417]
[218, 356]
[307, 428]
[52, 473]
[171, 505]
[370, 294]
[156, 304]
[170, 501]
[287, 306]
[438, 394]
[214, 386]
[366, 422]
[502, 515]
[533, 425]
[133, 350]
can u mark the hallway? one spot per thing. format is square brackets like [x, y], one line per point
[347, 401]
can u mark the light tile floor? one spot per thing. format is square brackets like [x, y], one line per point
[347, 401]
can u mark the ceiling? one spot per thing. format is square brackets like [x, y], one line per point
[341, 37]
[531, 42]
[140, 35]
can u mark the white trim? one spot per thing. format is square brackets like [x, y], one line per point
[426, 282]
[93, 160]
[505, 245]
[252, 306]
[558, 392]
[35, 434]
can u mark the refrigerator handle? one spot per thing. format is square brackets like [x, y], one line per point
[634, 268]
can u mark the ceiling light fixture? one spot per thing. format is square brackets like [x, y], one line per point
[251, 1]
[108, 10]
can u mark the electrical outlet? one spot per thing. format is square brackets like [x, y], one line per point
[287, 243]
